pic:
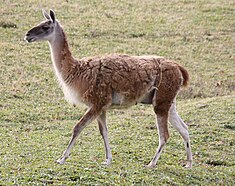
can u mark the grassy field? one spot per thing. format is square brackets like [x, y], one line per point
[36, 122]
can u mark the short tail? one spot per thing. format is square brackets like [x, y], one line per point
[185, 75]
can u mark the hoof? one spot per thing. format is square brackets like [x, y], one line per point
[189, 165]
[107, 162]
[150, 166]
[60, 161]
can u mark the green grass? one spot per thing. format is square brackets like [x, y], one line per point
[36, 122]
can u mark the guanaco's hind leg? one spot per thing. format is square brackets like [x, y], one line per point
[104, 133]
[182, 128]
[162, 119]
[87, 118]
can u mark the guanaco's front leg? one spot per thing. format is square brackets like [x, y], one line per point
[87, 118]
[104, 133]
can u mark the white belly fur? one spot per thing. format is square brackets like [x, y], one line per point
[71, 95]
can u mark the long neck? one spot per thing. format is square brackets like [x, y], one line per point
[61, 56]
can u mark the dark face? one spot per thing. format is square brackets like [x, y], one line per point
[43, 31]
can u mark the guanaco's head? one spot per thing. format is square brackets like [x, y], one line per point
[43, 31]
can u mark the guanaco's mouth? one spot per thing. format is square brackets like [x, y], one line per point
[29, 39]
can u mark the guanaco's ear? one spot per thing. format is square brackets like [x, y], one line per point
[45, 14]
[52, 15]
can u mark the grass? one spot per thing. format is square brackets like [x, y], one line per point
[36, 122]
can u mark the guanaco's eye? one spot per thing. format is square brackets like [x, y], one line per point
[45, 27]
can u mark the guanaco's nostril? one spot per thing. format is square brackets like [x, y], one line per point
[27, 34]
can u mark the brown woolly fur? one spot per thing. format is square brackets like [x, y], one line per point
[115, 81]
[111, 75]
